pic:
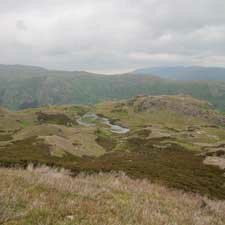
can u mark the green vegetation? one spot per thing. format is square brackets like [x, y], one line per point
[23, 124]
[176, 112]
[5, 137]
[32, 150]
[60, 119]
[34, 87]
[173, 165]
[104, 138]
[168, 142]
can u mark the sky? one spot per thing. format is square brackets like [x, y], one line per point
[112, 36]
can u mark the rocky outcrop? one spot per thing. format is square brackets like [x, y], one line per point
[184, 105]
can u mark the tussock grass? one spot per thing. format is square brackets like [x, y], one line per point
[47, 196]
[173, 166]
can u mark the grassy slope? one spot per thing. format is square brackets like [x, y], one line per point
[180, 114]
[54, 128]
[45, 196]
[160, 146]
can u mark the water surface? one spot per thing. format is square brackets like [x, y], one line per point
[90, 119]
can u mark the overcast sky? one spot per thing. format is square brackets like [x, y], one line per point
[112, 36]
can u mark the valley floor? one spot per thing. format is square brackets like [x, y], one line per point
[47, 196]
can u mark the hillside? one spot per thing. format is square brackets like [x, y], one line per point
[177, 141]
[22, 87]
[186, 73]
[47, 196]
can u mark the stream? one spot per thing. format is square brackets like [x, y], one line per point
[90, 119]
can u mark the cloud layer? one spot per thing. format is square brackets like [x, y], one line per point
[112, 35]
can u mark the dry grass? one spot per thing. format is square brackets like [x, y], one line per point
[215, 161]
[46, 196]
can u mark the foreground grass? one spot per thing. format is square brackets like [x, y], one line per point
[45, 196]
[173, 166]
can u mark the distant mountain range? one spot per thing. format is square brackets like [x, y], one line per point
[27, 86]
[186, 73]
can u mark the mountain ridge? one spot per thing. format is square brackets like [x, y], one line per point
[36, 87]
[185, 72]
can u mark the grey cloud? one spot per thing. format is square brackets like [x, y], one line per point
[21, 25]
[112, 35]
